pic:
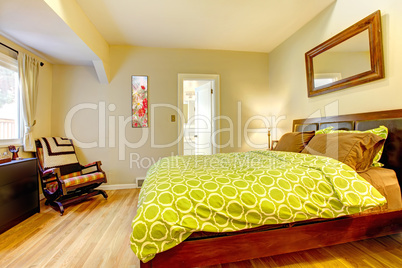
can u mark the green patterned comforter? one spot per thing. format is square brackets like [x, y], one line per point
[234, 191]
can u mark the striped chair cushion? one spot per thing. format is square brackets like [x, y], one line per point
[83, 179]
[73, 179]
[74, 174]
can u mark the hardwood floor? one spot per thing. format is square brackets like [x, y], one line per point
[95, 233]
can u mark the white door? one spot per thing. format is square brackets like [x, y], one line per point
[203, 119]
[207, 130]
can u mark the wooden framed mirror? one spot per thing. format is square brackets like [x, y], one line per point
[350, 58]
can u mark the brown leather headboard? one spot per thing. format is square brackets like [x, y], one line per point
[392, 155]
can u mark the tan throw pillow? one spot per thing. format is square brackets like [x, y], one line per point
[294, 141]
[356, 150]
[381, 131]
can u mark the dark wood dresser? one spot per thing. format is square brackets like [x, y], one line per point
[19, 192]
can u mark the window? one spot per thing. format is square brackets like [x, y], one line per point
[10, 114]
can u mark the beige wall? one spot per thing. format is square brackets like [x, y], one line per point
[243, 77]
[287, 77]
[43, 112]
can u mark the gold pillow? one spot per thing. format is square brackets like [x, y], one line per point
[294, 141]
[381, 131]
[356, 150]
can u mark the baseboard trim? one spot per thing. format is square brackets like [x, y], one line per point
[118, 186]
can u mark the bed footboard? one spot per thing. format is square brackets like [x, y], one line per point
[240, 247]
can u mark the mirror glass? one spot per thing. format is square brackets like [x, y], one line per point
[344, 60]
[350, 58]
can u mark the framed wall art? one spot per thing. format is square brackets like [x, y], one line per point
[139, 100]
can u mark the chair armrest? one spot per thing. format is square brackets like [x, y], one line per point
[90, 164]
[51, 172]
[96, 164]
[52, 175]
[48, 173]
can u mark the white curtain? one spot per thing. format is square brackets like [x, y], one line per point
[29, 72]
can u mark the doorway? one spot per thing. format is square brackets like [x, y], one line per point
[198, 99]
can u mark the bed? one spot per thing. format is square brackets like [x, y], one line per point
[271, 238]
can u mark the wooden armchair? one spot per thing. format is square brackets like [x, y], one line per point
[64, 180]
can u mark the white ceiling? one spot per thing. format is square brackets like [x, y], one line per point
[239, 25]
[253, 25]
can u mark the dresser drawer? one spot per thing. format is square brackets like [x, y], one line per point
[19, 192]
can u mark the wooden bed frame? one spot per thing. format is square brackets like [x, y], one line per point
[290, 237]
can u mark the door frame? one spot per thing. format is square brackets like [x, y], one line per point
[181, 77]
